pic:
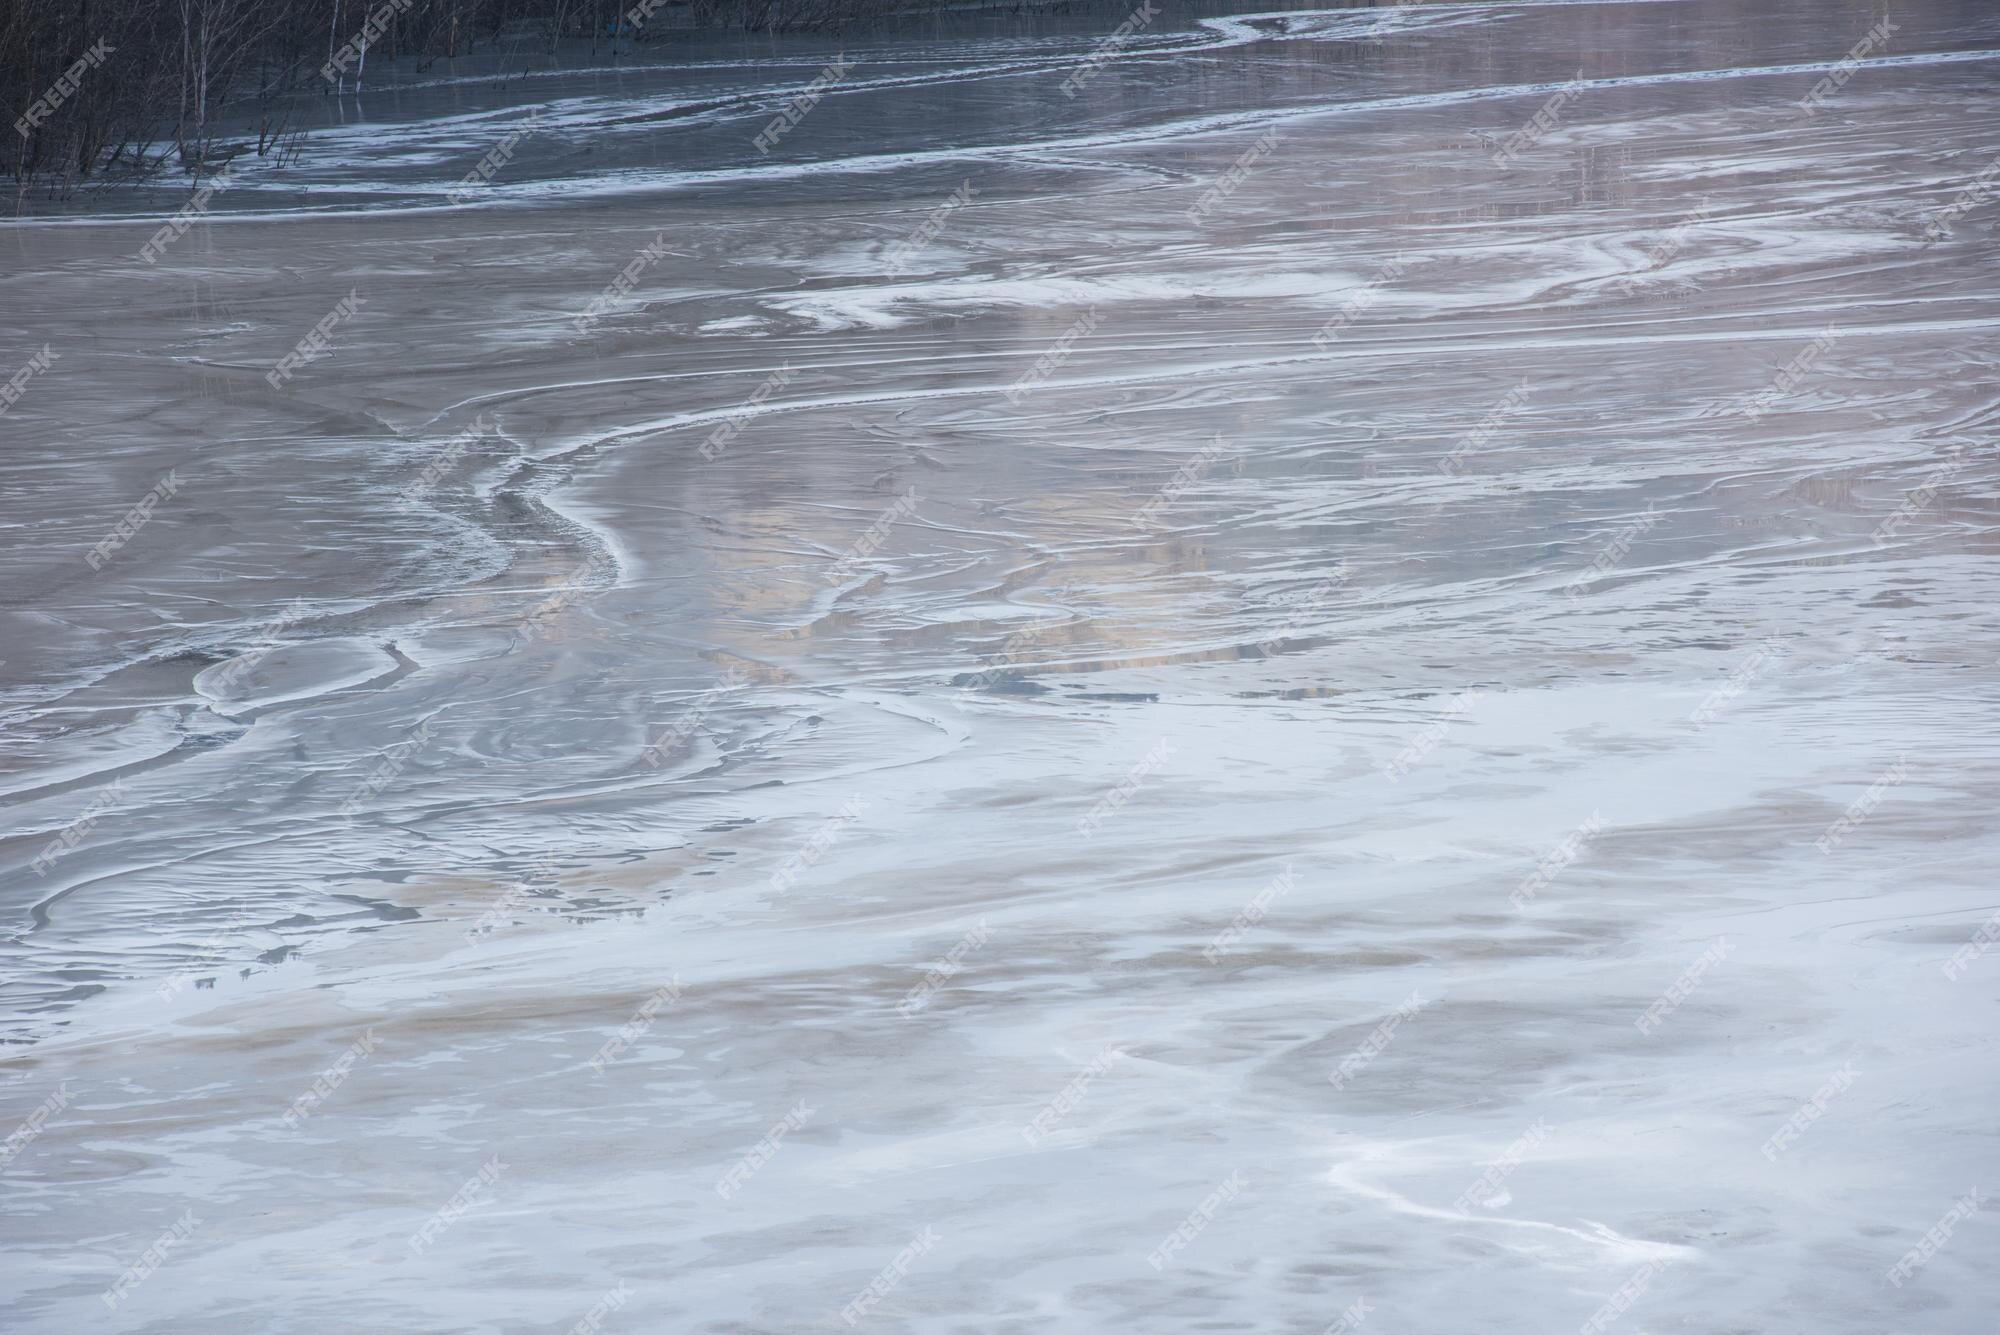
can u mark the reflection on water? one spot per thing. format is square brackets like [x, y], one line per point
[1389, 621]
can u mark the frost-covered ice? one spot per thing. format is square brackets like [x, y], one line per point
[1421, 736]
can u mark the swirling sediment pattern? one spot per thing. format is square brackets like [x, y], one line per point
[1354, 666]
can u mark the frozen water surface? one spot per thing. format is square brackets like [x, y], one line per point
[1320, 693]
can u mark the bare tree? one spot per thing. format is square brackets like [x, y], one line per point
[216, 38]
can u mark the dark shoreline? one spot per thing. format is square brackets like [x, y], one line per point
[135, 94]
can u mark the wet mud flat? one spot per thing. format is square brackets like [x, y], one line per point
[1345, 678]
